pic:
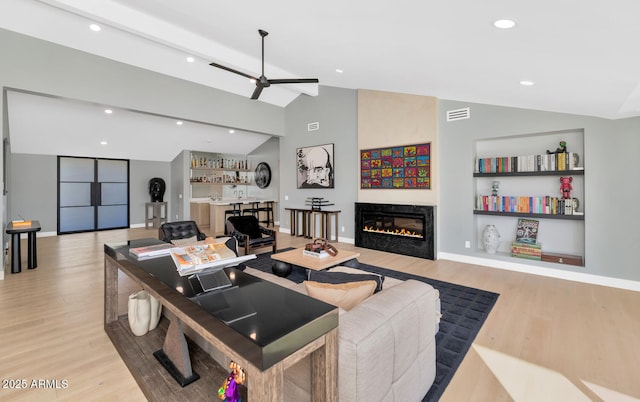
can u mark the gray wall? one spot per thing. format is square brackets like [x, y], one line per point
[139, 174]
[336, 111]
[268, 152]
[611, 151]
[33, 188]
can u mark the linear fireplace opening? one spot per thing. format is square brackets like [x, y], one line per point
[396, 228]
[394, 224]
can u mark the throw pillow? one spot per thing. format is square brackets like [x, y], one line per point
[344, 295]
[343, 277]
[186, 241]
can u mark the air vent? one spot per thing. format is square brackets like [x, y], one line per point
[313, 126]
[458, 114]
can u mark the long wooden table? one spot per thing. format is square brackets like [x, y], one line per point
[278, 343]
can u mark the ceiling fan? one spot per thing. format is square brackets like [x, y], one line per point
[264, 82]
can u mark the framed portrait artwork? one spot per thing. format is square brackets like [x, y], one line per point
[315, 166]
[406, 167]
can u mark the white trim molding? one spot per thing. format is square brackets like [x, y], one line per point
[553, 273]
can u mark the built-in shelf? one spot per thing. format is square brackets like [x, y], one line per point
[541, 173]
[526, 215]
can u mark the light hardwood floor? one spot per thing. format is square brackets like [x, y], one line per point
[545, 339]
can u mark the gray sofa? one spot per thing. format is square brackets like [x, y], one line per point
[386, 344]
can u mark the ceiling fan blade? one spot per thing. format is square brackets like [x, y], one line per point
[257, 92]
[233, 71]
[294, 81]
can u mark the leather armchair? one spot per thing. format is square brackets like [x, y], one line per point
[180, 230]
[250, 235]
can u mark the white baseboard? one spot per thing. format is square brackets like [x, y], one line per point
[553, 273]
[341, 239]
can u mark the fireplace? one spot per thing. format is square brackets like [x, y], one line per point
[396, 228]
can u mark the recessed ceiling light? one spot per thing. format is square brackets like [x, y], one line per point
[232, 131]
[504, 24]
[526, 83]
[339, 71]
[108, 111]
[95, 27]
[190, 59]
[179, 123]
[103, 142]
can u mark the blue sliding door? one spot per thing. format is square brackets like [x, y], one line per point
[93, 194]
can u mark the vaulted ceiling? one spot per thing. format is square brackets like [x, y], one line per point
[579, 56]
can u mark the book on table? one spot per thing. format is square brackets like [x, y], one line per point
[153, 251]
[319, 254]
[192, 259]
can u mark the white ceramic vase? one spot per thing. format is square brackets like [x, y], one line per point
[490, 239]
[144, 312]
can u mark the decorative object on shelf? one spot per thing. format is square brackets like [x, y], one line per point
[316, 203]
[315, 166]
[527, 231]
[566, 187]
[143, 312]
[490, 239]
[157, 187]
[263, 175]
[229, 391]
[560, 150]
[407, 166]
[495, 185]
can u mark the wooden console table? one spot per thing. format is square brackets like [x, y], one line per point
[308, 222]
[158, 214]
[265, 346]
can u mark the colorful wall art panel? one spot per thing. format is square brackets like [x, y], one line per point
[407, 166]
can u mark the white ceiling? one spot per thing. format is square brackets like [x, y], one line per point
[66, 127]
[581, 55]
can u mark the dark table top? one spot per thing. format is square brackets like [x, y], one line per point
[277, 320]
[23, 227]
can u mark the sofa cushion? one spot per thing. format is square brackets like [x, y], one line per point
[344, 295]
[344, 277]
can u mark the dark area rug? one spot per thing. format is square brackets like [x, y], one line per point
[464, 310]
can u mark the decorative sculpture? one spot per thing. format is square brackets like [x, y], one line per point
[566, 187]
[156, 189]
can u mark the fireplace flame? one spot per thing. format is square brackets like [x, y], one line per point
[395, 232]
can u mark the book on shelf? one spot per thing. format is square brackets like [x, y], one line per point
[528, 163]
[526, 250]
[321, 254]
[153, 251]
[527, 231]
[526, 204]
[191, 259]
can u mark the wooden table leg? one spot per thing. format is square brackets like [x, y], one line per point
[266, 386]
[293, 221]
[110, 291]
[324, 370]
